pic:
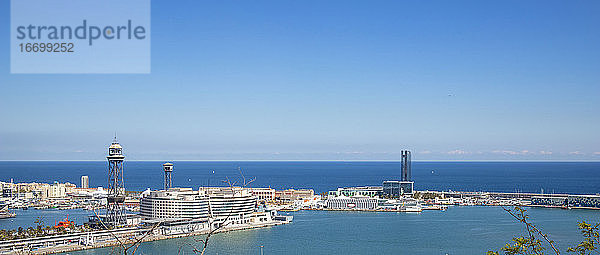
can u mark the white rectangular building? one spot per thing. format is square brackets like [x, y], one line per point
[85, 182]
[352, 203]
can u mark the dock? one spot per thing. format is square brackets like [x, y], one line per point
[104, 238]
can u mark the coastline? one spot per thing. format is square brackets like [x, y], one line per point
[149, 238]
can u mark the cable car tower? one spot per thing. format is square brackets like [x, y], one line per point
[168, 168]
[115, 206]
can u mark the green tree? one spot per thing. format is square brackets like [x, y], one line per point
[20, 232]
[534, 242]
[591, 241]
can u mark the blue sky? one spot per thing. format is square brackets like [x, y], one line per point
[344, 80]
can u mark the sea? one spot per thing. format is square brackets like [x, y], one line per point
[458, 230]
[323, 176]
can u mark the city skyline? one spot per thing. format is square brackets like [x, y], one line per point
[327, 81]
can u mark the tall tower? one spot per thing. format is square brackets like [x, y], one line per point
[85, 182]
[115, 207]
[405, 165]
[168, 168]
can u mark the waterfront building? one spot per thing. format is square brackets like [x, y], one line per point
[6, 189]
[290, 195]
[85, 182]
[369, 191]
[57, 190]
[89, 193]
[352, 203]
[397, 188]
[362, 203]
[263, 194]
[218, 205]
[38, 190]
[405, 166]
[173, 204]
[234, 205]
[405, 186]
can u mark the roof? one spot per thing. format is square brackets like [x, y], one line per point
[115, 145]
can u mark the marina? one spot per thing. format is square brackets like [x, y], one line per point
[343, 232]
[106, 217]
[167, 213]
[422, 233]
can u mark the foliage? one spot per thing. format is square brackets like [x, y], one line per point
[591, 241]
[39, 231]
[533, 243]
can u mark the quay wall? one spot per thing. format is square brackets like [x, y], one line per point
[20, 246]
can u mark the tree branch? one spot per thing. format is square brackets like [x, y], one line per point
[531, 229]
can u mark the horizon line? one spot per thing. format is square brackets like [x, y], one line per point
[302, 160]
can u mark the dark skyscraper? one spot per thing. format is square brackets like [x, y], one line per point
[405, 167]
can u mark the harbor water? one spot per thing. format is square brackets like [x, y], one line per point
[458, 230]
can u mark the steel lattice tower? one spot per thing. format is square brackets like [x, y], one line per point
[405, 166]
[115, 207]
[168, 168]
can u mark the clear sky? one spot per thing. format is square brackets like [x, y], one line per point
[449, 80]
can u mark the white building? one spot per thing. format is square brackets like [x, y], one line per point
[183, 210]
[352, 203]
[263, 194]
[85, 182]
[230, 206]
[173, 204]
[369, 191]
[290, 195]
[38, 190]
[60, 190]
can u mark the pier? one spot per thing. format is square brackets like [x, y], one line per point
[105, 238]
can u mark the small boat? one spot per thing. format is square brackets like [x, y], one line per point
[65, 224]
[410, 208]
[6, 215]
[288, 209]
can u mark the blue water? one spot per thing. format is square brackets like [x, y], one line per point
[26, 218]
[459, 230]
[553, 177]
